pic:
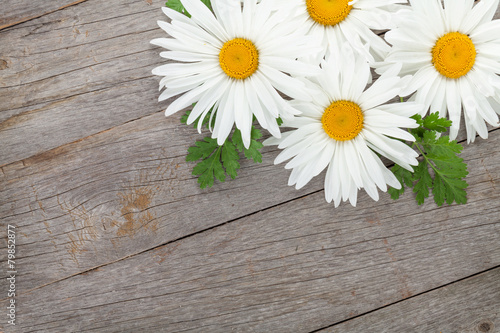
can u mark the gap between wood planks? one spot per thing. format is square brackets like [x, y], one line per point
[404, 299]
[27, 19]
[224, 223]
[230, 221]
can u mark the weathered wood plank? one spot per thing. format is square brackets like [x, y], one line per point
[13, 12]
[468, 306]
[75, 73]
[83, 201]
[72, 67]
[298, 266]
[122, 192]
[127, 190]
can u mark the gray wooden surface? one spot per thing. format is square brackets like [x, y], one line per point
[115, 236]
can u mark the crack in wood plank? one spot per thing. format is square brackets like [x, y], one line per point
[26, 19]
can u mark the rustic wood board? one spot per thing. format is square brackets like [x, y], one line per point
[468, 306]
[115, 236]
[297, 266]
[84, 69]
[13, 12]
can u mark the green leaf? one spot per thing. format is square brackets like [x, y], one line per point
[209, 168]
[434, 123]
[202, 149]
[230, 159]
[253, 151]
[429, 124]
[215, 161]
[405, 178]
[418, 119]
[207, 3]
[439, 154]
[177, 6]
[424, 181]
[185, 117]
[451, 189]
[237, 140]
[442, 146]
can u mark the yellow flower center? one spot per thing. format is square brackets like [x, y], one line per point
[328, 12]
[453, 55]
[342, 120]
[239, 58]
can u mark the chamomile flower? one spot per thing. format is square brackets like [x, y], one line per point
[331, 23]
[233, 60]
[344, 128]
[454, 55]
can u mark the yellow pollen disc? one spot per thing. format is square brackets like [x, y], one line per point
[239, 58]
[328, 12]
[453, 55]
[342, 120]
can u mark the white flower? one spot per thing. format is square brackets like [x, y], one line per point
[331, 23]
[454, 54]
[344, 127]
[234, 61]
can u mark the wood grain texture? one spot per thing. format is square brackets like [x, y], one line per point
[122, 192]
[13, 12]
[115, 236]
[468, 306]
[75, 73]
[298, 266]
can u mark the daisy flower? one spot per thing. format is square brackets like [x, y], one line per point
[331, 23]
[234, 60]
[454, 55]
[343, 129]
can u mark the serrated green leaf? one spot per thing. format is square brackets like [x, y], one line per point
[441, 155]
[429, 137]
[423, 181]
[395, 193]
[215, 161]
[207, 3]
[418, 119]
[218, 169]
[177, 6]
[255, 134]
[185, 117]
[456, 191]
[209, 168]
[230, 159]
[434, 123]
[449, 189]
[202, 149]
[450, 168]
[253, 151]
[404, 177]
[443, 146]
[237, 140]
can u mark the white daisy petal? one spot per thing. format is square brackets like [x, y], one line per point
[342, 136]
[332, 28]
[486, 32]
[482, 13]
[458, 67]
[205, 71]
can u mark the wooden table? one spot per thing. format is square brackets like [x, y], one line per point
[114, 235]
